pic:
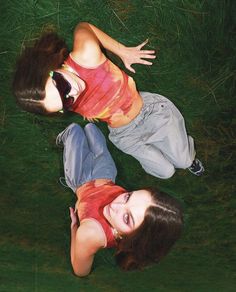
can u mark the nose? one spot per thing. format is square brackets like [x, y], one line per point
[117, 207]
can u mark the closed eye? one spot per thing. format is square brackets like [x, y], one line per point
[127, 196]
[126, 218]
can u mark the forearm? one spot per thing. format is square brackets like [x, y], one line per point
[74, 228]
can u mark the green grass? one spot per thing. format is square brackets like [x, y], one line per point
[195, 68]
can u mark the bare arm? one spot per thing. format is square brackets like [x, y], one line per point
[86, 32]
[86, 240]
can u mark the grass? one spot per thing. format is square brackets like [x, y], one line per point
[195, 68]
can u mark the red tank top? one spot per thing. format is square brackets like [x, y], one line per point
[109, 91]
[92, 200]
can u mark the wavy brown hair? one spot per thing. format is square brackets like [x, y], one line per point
[161, 227]
[32, 71]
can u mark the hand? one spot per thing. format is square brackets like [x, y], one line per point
[73, 217]
[135, 55]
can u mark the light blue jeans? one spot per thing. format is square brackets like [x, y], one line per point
[157, 137]
[85, 155]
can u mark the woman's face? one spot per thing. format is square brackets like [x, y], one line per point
[52, 101]
[126, 213]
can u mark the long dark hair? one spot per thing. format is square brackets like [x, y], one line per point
[161, 227]
[32, 71]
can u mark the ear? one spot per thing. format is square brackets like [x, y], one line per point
[116, 234]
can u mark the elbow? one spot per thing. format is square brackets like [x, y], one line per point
[83, 24]
[81, 274]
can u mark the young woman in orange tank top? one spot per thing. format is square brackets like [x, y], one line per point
[145, 125]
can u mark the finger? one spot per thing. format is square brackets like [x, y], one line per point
[144, 62]
[142, 44]
[148, 52]
[148, 56]
[71, 211]
[130, 68]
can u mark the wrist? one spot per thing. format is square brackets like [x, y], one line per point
[74, 226]
[121, 50]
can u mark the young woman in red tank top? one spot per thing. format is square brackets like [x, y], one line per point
[141, 225]
[145, 125]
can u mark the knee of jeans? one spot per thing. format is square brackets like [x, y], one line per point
[74, 128]
[90, 126]
[184, 163]
[167, 171]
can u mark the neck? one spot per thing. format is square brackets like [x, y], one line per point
[69, 69]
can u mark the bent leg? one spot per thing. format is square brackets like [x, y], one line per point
[157, 137]
[77, 158]
[85, 155]
[152, 161]
[175, 144]
[103, 164]
[164, 128]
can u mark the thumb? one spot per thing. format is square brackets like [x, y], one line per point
[130, 68]
[143, 44]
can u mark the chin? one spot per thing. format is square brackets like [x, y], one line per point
[106, 213]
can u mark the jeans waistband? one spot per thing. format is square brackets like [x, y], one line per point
[148, 104]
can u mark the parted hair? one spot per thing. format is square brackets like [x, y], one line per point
[32, 71]
[162, 226]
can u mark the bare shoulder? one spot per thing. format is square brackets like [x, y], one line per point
[91, 234]
[86, 47]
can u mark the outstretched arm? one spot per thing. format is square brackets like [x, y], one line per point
[129, 55]
[85, 242]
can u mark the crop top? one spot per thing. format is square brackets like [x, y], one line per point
[92, 199]
[109, 92]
